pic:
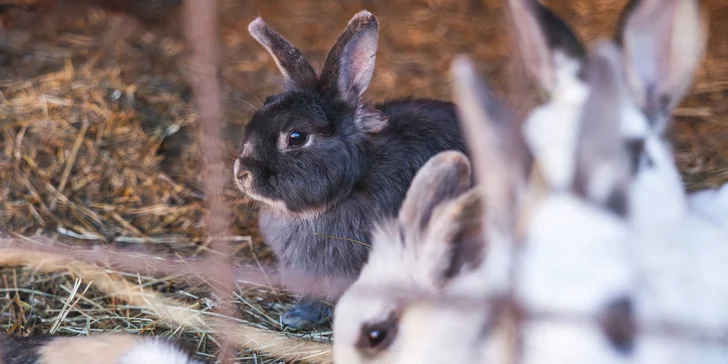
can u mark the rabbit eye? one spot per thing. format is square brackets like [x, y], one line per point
[378, 336]
[297, 139]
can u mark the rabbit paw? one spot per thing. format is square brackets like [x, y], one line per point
[306, 314]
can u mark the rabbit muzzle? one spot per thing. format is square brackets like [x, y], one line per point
[242, 176]
[244, 182]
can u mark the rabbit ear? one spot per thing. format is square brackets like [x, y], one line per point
[443, 177]
[493, 134]
[456, 239]
[290, 61]
[548, 44]
[349, 67]
[603, 163]
[446, 221]
[663, 44]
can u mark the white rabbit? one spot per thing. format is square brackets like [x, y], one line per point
[674, 250]
[662, 44]
[571, 261]
[663, 257]
[582, 256]
[431, 252]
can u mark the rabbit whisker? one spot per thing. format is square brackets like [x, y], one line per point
[340, 238]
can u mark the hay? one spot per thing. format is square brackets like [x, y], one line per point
[167, 311]
[97, 140]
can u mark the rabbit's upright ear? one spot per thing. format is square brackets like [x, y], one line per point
[663, 43]
[550, 47]
[444, 177]
[492, 130]
[349, 68]
[501, 162]
[456, 239]
[604, 165]
[443, 219]
[293, 65]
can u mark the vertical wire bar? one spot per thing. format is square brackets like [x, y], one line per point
[201, 34]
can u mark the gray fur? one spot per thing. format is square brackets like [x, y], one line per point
[320, 201]
[22, 350]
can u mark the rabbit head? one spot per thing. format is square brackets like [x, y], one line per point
[302, 150]
[431, 251]
[663, 42]
[661, 45]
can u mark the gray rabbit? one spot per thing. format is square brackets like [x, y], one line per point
[326, 166]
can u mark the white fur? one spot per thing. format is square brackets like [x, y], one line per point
[681, 247]
[666, 350]
[428, 331]
[670, 255]
[154, 351]
[576, 257]
[658, 194]
[558, 342]
[440, 334]
[551, 129]
[682, 281]
[711, 204]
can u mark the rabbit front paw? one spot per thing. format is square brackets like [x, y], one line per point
[306, 314]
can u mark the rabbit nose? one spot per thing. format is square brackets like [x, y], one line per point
[243, 175]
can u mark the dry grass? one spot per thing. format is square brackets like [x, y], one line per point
[97, 126]
[90, 299]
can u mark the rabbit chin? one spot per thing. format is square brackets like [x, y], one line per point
[279, 206]
[276, 205]
[247, 189]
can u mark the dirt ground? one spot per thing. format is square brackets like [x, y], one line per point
[97, 132]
